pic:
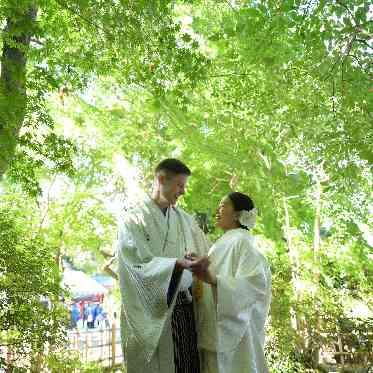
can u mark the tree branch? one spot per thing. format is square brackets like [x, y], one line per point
[348, 11]
[362, 41]
[13, 99]
[65, 6]
[37, 41]
[227, 75]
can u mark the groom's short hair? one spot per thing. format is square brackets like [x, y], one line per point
[172, 166]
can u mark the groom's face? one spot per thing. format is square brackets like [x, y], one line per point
[172, 187]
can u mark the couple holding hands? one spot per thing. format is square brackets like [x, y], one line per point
[190, 306]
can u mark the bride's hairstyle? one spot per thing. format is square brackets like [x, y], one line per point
[241, 202]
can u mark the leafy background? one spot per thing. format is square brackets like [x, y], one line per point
[272, 98]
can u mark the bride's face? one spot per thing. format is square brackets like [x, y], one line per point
[226, 216]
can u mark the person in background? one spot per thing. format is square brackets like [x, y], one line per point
[75, 315]
[90, 316]
[97, 314]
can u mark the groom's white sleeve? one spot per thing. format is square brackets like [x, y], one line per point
[144, 282]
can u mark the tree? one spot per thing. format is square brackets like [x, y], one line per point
[16, 42]
[61, 45]
[269, 98]
[31, 312]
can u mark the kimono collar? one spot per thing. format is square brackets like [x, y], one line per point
[154, 207]
[234, 231]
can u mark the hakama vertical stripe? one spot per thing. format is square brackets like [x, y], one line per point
[184, 337]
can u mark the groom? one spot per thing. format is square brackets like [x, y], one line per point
[155, 282]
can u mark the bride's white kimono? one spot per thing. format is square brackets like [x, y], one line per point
[149, 243]
[231, 316]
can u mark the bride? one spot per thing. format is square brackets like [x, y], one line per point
[234, 297]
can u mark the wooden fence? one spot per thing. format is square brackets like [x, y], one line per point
[102, 346]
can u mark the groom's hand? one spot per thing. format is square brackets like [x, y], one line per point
[182, 264]
[190, 255]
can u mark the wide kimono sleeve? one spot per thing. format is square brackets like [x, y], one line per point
[243, 298]
[144, 281]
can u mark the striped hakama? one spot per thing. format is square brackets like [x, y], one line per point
[184, 336]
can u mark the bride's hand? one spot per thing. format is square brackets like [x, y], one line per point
[206, 276]
[199, 264]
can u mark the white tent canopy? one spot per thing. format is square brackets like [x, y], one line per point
[81, 285]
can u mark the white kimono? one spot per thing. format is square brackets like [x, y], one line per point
[149, 243]
[231, 316]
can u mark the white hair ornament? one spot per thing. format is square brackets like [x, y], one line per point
[248, 218]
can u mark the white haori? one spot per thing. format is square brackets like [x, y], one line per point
[149, 243]
[231, 316]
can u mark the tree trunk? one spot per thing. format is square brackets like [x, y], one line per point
[16, 38]
[297, 320]
[293, 255]
[316, 263]
[316, 229]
